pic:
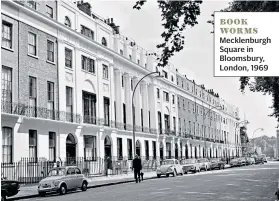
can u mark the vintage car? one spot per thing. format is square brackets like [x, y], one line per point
[242, 161]
[190, 165]
[62, 179]
[169, 166]
[235, 162]
[9, 188]
[204, 164]
[217, 164]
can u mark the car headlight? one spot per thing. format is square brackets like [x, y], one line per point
[56, 183]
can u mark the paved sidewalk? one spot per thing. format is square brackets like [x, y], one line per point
[29, 191]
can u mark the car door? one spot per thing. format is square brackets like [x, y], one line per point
[70, 178]
[79, 177]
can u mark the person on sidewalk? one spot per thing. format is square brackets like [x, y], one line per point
[108, 165]
[137, 168]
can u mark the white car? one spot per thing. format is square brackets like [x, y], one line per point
[169, 166]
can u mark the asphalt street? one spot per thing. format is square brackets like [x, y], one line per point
[251, 183]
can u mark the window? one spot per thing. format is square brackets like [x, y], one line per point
[89, 107]
[130, 147]
[52, 145]
[138, 61]
[33, 145]
[132, 86]
[50, 51]
[87, 32]
[178, 102]
[106, 111]
[68, 58]
[165, 74]
[190, 127]
[6, 85]
[154, 149]
[33, 96]
[179, 125]
[7, 34]
[7, 145]
[90, 148]
[87, 64]
[32, 4]
[119, 149]
[166, 96]
[32, 44]
[174, 124]
[172, 78]
[183, 103]
[105, 72]
[104, 42]
[173, 99]
[167, 122]
[50, 99]
[158, 93]
[146, 149]
[130, 57]
[124, 116]
[141, 119]
[77, 171]
[121, 52]
[160, 122]
[122, 80]
[69, 104]
[149, 122]
[49, 11]
[67, 21]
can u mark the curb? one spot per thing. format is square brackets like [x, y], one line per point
[89, 187]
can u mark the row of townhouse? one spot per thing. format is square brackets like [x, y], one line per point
[67, 83]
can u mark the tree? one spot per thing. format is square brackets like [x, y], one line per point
[176, 16]
[265, 85]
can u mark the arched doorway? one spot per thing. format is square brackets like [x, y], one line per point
[107, 144]
[71, 148]
[138, 147]
[191, 155]
[161, 150]
[186, 151]
[196, 152]
[176, 151]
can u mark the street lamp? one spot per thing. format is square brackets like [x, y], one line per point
[221, 108]
[133, 107]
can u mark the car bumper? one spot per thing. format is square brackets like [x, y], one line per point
[48, 190]
[165, 173]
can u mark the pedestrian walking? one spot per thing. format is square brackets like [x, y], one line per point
[108, 165]
[137, 168]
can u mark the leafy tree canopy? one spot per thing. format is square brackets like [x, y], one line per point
[266, 85]
[176, 16]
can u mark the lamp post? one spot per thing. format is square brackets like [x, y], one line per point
[221, 108]
[237, 125]
[261, 129]
[133, 108]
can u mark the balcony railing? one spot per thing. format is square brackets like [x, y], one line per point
[38, 112]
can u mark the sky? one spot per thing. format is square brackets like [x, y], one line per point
[195, 60]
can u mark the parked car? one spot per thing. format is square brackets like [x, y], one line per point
[9, 188]
[204, 164]
[62, 179]
[242, 161]
[190, 165]
[258, 160]
[235, 162]
[251, 161]
[169, 166]
[217, 164]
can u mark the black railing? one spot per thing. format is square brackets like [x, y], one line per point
[29, 170]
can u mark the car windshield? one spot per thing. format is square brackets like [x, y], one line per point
[200, 160]
[188, 161]
[214, 160]
[57, 172]
[168, 162]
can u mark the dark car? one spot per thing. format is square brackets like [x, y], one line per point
[9, 188]
[217, 164]
[259, 160]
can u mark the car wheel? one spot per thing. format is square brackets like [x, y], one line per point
[63, 189]
[42, 194]
[182, 173]
[174, 173]
[3, 197]
[84, 186]
[158, 175]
